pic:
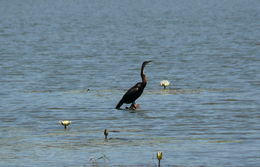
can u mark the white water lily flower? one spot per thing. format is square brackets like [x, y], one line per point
[165, 83]
[65, 123]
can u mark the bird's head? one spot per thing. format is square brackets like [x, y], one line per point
[144, 79]
[146, 62]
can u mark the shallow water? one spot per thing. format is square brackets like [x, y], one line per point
[52, 52]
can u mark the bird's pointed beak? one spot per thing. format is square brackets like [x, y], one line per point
[146, 62]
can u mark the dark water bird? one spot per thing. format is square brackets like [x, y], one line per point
[134, 92]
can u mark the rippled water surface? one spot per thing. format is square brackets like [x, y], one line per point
[52, 52]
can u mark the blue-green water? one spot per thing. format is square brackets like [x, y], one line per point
[52, 52]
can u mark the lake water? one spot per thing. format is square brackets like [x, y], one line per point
[52, 52]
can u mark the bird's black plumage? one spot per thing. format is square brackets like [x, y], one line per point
[136, 91]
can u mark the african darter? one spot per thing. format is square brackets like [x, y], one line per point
[136, 91]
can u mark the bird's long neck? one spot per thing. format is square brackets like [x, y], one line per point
[144, 79]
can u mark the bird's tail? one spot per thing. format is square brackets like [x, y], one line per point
[120, 103]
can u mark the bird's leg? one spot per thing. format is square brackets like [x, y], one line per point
[133, 107]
